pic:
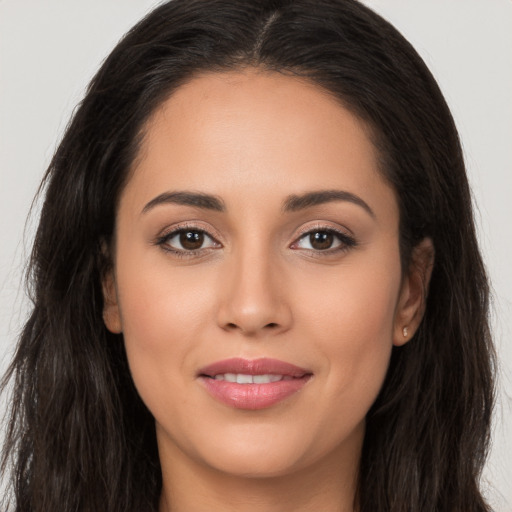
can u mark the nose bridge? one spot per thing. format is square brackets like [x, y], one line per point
[253, 298]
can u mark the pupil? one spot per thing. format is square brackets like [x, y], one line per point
[191, 240]
[321, 240]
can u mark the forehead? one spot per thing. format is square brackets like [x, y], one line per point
[255, 132]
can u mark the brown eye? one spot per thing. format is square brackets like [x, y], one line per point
[328, 240]
[191, 240]
[187, 241]
[321, 240]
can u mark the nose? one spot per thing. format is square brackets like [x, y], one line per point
[254, 297]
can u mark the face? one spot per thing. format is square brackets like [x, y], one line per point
[256, 241]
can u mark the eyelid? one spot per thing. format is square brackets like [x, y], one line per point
[175, 234]
[192, 225]
[171, 231]
[323, 226]
[346, 238]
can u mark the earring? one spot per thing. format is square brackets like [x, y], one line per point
[405, 332]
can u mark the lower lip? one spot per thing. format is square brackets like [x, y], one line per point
[253, 396]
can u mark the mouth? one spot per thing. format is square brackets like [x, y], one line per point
[244, 378]
[253, 384]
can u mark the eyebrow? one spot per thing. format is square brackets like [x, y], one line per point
[196, 199]
[300, 202]
[292, 203]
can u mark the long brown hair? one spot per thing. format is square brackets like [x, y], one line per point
[79, 437]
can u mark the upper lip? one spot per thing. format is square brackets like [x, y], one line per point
[262, 366]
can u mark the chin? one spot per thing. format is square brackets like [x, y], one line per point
[263, 465]
[272, 452]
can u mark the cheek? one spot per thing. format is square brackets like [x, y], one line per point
[154, 310]
[161, 304]
[351, 319]
[162, 315]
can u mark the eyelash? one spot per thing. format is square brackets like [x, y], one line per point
[163, 241]
[346, 242]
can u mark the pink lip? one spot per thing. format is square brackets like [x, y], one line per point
[253, 396]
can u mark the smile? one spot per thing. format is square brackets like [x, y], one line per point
[242, 378]
[253, 384]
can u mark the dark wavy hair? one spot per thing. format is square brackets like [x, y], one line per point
[79, 437]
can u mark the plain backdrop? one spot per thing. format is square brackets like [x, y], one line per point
[49, 49]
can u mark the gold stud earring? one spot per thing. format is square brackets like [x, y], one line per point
[405, 332]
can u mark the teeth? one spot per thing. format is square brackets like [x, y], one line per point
[242, 378]
[265, 379]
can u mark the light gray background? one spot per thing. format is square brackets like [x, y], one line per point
[49, 49]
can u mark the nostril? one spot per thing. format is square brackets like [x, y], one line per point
[249, 329]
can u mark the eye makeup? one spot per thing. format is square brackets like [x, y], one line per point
[187, 241]
[191, 240]
[321, 240]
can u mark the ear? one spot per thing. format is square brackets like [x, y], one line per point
[111, 313]
[413, 292]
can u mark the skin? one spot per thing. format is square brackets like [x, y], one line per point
[257, 287]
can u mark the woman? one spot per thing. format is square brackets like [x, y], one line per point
[256, 279]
